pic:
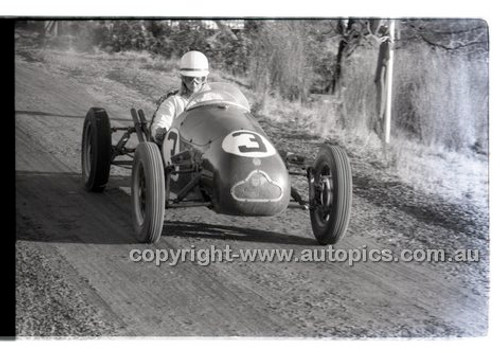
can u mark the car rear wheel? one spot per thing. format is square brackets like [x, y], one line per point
[148, 192]
[96, 150]
[330, 194]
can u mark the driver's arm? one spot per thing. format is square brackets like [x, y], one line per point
[163, 119]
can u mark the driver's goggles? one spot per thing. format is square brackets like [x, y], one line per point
[188, 79]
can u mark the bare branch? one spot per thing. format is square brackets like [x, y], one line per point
[461, 45]
[460, 31]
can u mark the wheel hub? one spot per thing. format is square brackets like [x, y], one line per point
[326, 191]
[142, 193]
[322, 195]
[87, 159]
[140, 196]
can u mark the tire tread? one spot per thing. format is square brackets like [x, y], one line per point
[340, 216]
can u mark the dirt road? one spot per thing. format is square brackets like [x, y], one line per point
[75, 277]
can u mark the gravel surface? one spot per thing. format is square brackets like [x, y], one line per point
[52, 300]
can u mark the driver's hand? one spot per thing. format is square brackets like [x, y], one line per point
[160, 134]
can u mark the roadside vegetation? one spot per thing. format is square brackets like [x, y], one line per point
[439, 140]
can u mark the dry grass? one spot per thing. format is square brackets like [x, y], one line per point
[442, 97]
[279, 62]
[458, 177]
[360, 93]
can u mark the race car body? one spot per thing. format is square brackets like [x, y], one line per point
[241, 171]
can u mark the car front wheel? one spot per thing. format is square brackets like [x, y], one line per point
[148, 192]
[96, 150]
[330, 194]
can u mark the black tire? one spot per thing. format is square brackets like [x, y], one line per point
[148, 192]
[96, 150]
[330, 194]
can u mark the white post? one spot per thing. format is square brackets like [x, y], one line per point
[388, 101]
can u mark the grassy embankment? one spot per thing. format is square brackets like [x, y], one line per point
[439, 121]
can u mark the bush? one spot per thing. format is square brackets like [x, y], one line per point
[440, 97]
[279, 62]
[360, 92]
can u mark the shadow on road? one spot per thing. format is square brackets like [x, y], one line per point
[54, 207]
[215, 231]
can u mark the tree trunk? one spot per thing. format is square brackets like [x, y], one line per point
[337, 71]
[344, 42]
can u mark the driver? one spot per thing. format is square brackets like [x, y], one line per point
[193, 72]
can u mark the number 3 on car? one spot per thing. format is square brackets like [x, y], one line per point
[248, 144]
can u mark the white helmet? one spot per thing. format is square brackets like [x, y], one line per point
[194, 64]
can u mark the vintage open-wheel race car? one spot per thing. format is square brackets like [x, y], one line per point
[216, 155]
